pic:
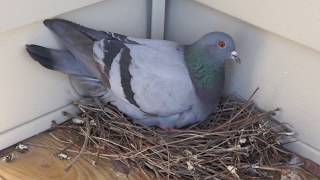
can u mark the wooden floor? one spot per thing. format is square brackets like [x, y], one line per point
[43, 164]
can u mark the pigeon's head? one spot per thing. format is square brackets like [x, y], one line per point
[218, 45]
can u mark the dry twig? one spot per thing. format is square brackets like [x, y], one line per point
[237, 141]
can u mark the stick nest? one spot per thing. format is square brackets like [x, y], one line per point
[239, 141]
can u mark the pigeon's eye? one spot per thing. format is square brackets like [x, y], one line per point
[221, 44]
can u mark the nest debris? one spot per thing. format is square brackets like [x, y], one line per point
[239, 141]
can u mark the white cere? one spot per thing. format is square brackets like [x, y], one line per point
[234, 53]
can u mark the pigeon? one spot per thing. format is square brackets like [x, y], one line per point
[155, 82]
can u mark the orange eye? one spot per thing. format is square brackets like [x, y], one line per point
[221, 44]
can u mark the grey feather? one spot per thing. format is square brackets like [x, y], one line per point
[111, 48]
[88, 86]
[58, 60]
[79, 44]
[125, 61]
[93, 34]
[155, 82]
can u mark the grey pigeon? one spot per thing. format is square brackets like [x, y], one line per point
[155, 82]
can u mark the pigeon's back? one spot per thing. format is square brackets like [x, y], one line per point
[146, 79]
[149, 80]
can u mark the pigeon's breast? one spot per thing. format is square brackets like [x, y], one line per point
[160, 80]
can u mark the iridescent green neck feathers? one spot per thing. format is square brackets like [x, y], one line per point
[205, 71]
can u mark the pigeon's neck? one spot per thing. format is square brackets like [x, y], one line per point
[207, 73]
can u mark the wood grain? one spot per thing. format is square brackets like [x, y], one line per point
[43, 164]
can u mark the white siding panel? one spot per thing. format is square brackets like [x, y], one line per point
[294, 19]
[31, 96]
[286, 72]
[158, 19]
[15, 13]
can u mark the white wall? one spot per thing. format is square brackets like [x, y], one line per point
[286, 72]
[294, 19]
[31, 96]
[16, 13]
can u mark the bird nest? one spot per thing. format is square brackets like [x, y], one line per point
[238, 141]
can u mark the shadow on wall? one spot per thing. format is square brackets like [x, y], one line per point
[239, 79]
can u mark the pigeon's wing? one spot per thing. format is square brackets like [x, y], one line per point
[58, 60]
[151, 75]
[94, 35]
[148, 75]
[79, 44]
[78, 58]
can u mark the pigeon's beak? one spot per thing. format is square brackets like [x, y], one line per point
[235, 57]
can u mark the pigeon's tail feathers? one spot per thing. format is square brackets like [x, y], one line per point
[91, 87]
[79, 44]
[58, 60]
[70, 34]
[93, 34]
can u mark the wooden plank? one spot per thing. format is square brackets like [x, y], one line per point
[43, 164]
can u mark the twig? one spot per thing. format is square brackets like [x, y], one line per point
[83, 148]
[237, 141]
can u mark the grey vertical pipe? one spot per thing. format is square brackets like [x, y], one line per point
[158, 10]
